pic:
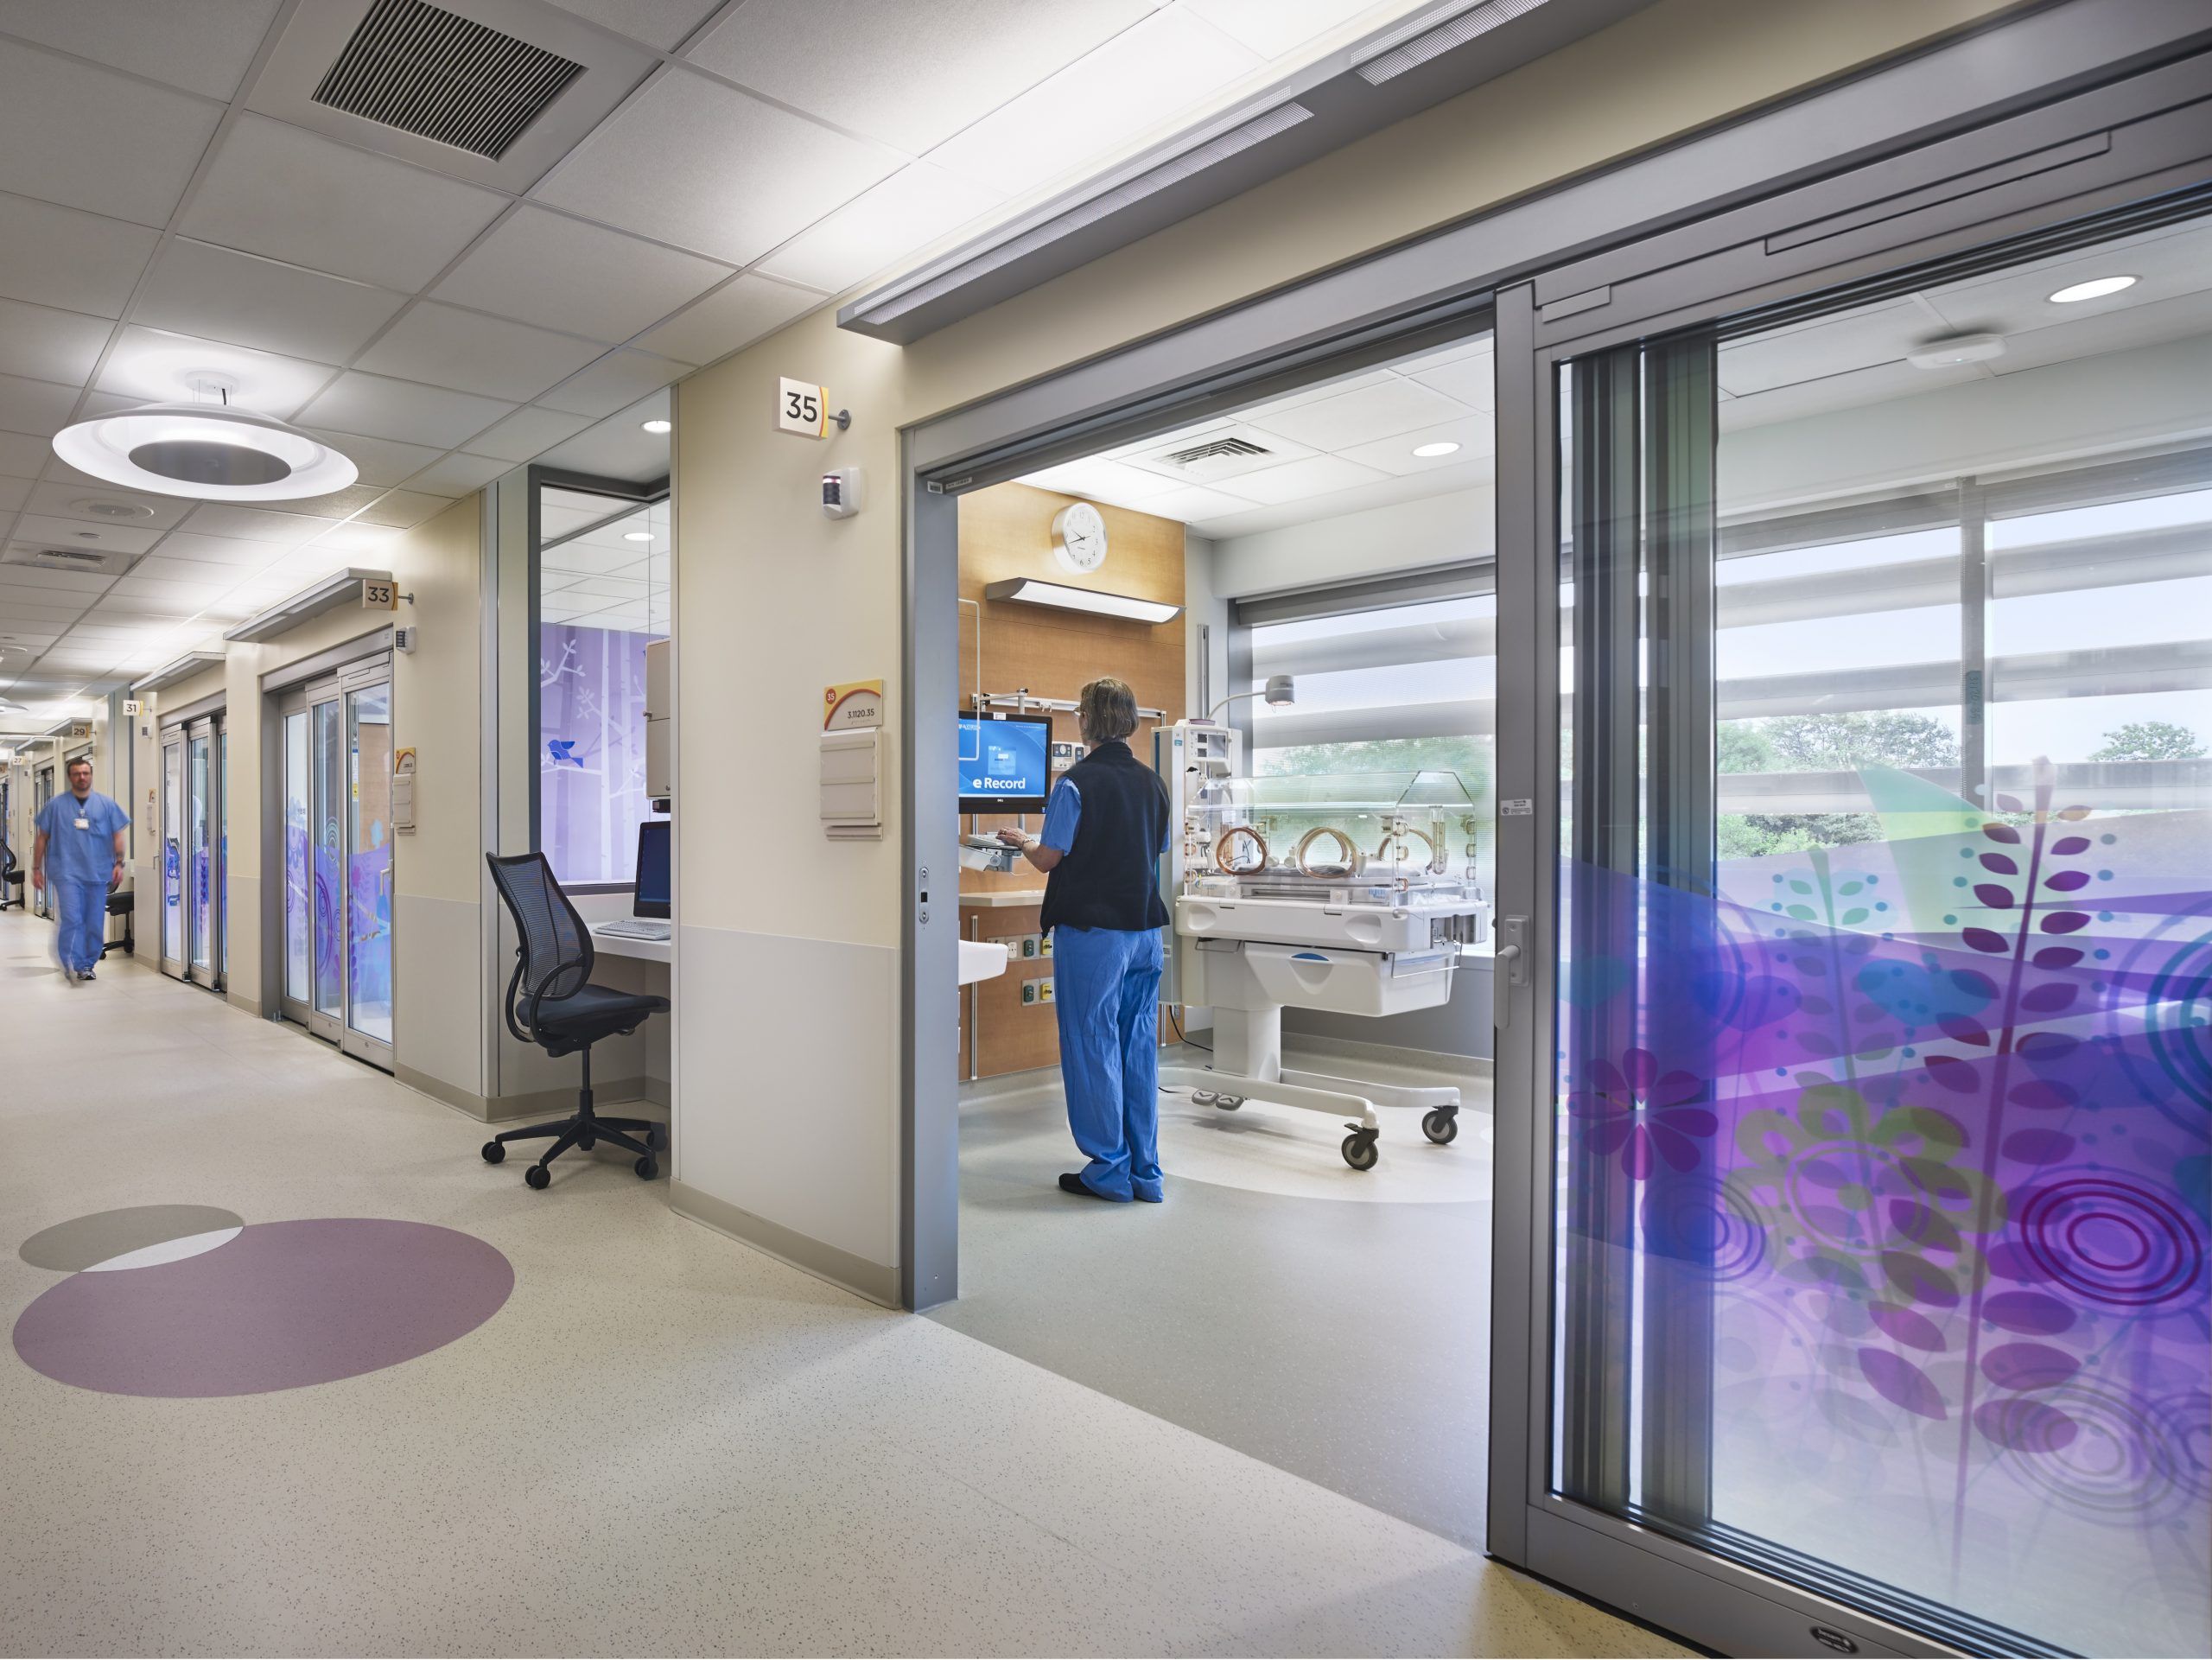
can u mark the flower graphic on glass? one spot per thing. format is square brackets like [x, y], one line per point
[1643, 1115]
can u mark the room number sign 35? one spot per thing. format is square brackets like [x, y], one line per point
[802, 408]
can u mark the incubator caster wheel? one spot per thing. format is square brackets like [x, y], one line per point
[647, 1168]
[540, 1178]
[1360, 1151]
[1440, 1125]
[494, 1152]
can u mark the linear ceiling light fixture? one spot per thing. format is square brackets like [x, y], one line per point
[1029, 591]
[210, 451]
[1418, 41]
[1211, 152]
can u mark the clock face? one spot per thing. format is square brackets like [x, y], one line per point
[1079, 537]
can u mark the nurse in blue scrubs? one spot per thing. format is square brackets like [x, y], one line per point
[1106, 825]
[80, 846]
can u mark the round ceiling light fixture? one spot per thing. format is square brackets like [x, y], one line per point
[637, 535]
[2096, 289]
[1429, 452]
[658, 427]
[212, 451]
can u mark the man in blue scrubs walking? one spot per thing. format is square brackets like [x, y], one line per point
[1106, 825]
[80, 842]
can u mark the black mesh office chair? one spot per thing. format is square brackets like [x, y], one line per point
[552, 1003]
[11, 878]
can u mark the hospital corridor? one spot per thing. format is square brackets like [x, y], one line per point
[663, 1443]
[1106, 827]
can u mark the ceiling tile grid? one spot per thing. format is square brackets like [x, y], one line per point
[157, 224]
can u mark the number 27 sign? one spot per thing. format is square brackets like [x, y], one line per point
[802, 408]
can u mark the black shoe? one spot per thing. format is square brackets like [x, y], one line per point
[1071, 1183]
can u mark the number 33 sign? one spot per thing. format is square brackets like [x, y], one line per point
[804, 409]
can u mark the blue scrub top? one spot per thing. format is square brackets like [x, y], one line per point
[1064, 811]
[87, 855]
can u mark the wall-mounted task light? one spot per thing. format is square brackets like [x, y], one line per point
[1029, 591]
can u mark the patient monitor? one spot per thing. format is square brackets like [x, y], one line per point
[1348, 892]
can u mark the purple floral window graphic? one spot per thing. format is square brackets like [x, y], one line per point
[1932, 1132]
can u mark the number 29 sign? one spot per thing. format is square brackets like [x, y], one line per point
[803, 409]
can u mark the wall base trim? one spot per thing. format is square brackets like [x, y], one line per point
[535, 1104]
[862, 1278]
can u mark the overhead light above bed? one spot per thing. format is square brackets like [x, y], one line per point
[1027, 590]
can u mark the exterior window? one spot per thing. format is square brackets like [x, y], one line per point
[1399, 689]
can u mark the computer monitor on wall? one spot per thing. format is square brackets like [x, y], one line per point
[653, 892]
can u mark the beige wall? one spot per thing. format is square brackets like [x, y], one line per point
[787, 1111]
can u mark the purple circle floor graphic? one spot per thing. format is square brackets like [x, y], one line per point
[276, 1305]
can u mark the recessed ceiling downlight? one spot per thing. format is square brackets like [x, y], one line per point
[1429, 452]
[206, 451]
[637, 535]
[658, 427]
[2096, 289]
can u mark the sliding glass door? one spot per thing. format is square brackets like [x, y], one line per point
[1866, 1208]
[335, 798]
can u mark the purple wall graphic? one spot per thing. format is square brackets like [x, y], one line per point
[1924, 1124]
[591, 755]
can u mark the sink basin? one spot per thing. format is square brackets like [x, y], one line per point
[981, 959]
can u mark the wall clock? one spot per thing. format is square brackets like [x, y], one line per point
[1079, 537]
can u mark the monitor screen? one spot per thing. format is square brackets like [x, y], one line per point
[1005, 762]
[651, 898]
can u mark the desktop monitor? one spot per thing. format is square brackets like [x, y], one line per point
[1006, 762]
[652, 899]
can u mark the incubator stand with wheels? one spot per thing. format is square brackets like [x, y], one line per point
[1350, 891]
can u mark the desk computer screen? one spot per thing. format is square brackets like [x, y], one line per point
[1005, 763]
[651, 898]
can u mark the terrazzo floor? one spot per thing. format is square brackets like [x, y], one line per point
[663, 1443]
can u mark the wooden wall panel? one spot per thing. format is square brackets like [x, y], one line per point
[1006, 531]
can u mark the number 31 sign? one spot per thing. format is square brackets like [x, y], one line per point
[803, 409]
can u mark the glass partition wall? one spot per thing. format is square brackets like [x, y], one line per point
[602, 597]
[1878, 1087]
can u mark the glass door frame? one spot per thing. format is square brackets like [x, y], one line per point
[302, 701]
[1799, 253]
[184, 734]
[369, 676]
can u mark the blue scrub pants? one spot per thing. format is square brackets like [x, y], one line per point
[1106, 985]
[82, 924]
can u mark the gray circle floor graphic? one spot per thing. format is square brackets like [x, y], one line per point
[83, 1241]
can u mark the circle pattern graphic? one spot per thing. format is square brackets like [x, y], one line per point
[2110, 1240]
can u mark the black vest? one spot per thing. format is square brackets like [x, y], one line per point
[1110, 877]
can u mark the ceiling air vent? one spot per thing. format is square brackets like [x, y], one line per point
[1217, 449]
[427, 71]
[88, 562]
